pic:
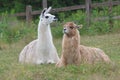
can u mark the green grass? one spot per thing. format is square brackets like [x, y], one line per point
[15, 34]
[11, 69]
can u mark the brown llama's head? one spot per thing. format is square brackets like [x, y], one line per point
[70, 28]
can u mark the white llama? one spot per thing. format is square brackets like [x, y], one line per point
[41, 50]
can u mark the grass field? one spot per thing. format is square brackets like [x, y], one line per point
[11, 69]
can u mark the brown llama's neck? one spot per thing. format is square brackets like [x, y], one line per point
[69, 41]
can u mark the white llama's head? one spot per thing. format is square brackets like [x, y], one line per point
[46, 17]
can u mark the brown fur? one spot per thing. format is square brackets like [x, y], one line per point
[92, 55]
[74, 53]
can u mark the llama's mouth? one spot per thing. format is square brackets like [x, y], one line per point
[55, 19]
[64, 32]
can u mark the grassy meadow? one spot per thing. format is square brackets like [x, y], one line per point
[15, 34]
[11, 69]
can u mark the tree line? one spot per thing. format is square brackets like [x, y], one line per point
[19, 5]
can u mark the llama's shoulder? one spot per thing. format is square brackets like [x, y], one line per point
[34, 42]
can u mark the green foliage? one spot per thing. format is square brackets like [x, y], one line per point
[96, 27]
[19, 5]
[78, 17]
[99, 28]
[116, 11]
[12, 30]
[57, 30]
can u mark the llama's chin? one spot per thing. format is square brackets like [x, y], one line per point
[65, 32]
[55, 19]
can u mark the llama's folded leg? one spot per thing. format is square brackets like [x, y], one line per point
[39, 62]
[39, 58]
[53, 57]
[50, 62]
[50, 59]
[61, 63]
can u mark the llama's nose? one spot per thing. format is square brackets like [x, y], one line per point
[55, 18]
[64, 29]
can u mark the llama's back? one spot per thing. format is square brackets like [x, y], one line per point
[26, 55]
[93, 55]
[103, 56]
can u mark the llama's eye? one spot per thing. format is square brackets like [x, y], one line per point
[71, 27]
[46, 16]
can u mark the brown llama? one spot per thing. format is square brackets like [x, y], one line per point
[74, 53]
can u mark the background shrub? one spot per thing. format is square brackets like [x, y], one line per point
[13, 29]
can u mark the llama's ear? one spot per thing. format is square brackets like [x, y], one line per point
[79, 26]
[43, 12]
[48, 10]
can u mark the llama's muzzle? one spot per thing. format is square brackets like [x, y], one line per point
[55, 18]
[64, 30]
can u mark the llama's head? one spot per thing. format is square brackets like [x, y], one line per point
[70, 28]
[46, 17]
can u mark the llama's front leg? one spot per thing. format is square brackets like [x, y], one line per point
[61, 63]
[50, 62]
[51, 57]
[39, 59]
[39, 62]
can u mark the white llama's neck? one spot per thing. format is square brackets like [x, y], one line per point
[44, 31]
